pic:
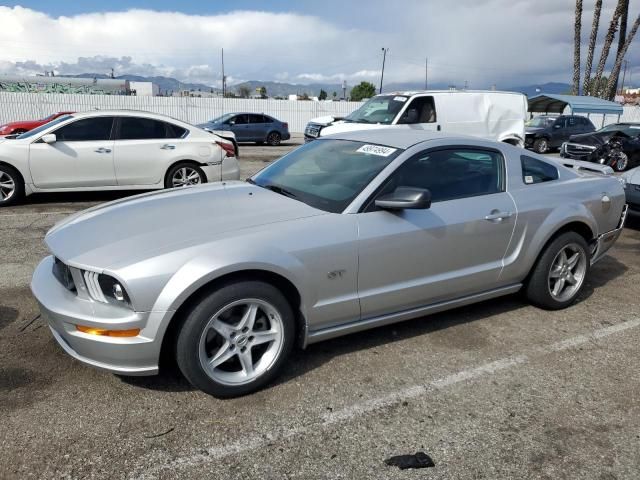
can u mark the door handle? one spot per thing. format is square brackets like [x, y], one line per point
[168, 147]
[103, 150]
[496, 216]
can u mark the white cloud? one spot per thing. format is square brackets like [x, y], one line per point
[506, 42]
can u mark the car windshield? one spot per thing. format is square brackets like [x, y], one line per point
[222, 118]
[541, 122]
[326, 174]
[49, 118]
[630, 130]
[381, 109]
[36, 131]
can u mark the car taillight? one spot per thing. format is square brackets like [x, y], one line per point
[286, 125]
[228, 148]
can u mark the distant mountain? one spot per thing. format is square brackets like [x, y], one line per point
[282, 89]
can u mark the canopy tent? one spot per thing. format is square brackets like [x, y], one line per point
[550, 103]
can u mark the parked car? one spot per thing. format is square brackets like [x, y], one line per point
[112, 150]
[631, 181]
[592, 147]
[490, 115]
[546, 132]
[343, 234]
[16, 128]
[251, 127]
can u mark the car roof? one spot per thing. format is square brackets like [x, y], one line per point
[126, 113]
[395, 137]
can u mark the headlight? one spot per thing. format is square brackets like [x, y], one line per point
[113, 290]
[3, 129]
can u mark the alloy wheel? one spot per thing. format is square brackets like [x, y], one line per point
[274, 139]
[185, 176]
[567, 272]
[241, 342]
[7, 186]
[621, 162]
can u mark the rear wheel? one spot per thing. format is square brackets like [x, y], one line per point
[274, 139]
[559, 275]
[11, 186]
[541, 145]
[621, 162]
[184, 175]
[236, 339]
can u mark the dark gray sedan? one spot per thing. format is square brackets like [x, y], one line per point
[251, 127]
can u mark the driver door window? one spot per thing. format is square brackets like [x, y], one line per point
[420, 110]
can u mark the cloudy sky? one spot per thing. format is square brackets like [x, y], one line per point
[506, 42]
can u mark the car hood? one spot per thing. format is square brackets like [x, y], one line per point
[28, 124]
[593, 139]
[131, 230]
[533, 129]
[633, 176]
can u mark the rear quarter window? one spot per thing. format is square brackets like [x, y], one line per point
[537, 171]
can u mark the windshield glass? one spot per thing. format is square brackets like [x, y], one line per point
[49, 118]
[36, 131]
[631, 130]
[326, 174]
[541, 122]
[222, 118]
[381, 109]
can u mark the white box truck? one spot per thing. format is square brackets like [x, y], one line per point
[492, 115]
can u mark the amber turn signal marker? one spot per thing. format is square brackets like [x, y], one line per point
[108, 333]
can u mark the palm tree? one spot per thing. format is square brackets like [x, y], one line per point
[622, 36]
[615, 72]
[608, 40]
[592, 46]
[576, 49]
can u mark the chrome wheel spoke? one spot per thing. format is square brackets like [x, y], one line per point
[224, 329]
[573, 260]
[559, 285]
[264, 337]
[246, 362]
[249, 318]
[571, 279]
[224, 354]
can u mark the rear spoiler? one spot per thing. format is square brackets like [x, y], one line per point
[585, 166]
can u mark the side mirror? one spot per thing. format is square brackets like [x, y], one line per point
[231, 122]
[410, 116]
[49, 138]
[405, 198]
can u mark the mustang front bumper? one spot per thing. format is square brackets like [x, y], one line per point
[63, 310]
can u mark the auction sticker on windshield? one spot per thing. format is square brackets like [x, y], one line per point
[376, 150]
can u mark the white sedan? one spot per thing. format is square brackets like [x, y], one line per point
[112, 150]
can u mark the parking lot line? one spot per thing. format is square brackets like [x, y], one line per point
[368, 406]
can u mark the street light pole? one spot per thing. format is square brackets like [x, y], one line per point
[384, 57]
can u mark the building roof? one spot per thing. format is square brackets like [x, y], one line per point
[551, 103]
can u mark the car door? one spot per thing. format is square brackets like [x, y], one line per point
[144, 148]
[560, 132]
[81, 156]
[239, 125]
[412, 258]
[257, 127]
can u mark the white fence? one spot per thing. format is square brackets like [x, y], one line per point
[25, 106]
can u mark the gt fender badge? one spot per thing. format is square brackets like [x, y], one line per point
[335, 274]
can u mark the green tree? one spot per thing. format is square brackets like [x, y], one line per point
[323, 95]
[262, 91]
[335, 94]
[362, 90]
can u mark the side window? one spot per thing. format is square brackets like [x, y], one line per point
[450, 174]
[256, 118]
[572, 121]
[241, 119]
[137, 128]
[420, 110]
[174, 131]
[267, 119]
[537, 171]
[86, 130]
[560, 123]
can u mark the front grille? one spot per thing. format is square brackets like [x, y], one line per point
[63, 274]
[312, 130]
[577, 150]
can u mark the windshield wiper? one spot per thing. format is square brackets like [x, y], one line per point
[280, 190]
[251, 181]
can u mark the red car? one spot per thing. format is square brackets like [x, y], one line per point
[14, 128]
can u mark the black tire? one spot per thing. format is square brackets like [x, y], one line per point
[168, 179]
[537, 288]
[8, 176]
[274, 139]
[622, 166]
[541, 145]
[196, 321]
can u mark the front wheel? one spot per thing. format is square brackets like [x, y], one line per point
[11, 186]
[620, 162]
[236, 339]
[560, 273]
[541, 145]
[184, 175]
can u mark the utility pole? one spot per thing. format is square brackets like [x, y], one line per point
[426, 73]
[344, 90]
[112, 74]
[624, 74]
[466, 84]
[224, 79]
[384, 57]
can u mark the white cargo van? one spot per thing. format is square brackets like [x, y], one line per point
[488, 114]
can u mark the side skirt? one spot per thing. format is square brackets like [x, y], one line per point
[357, 326]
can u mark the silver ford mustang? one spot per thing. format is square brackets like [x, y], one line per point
[343, 234]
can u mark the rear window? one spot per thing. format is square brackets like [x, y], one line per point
[537, 171]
